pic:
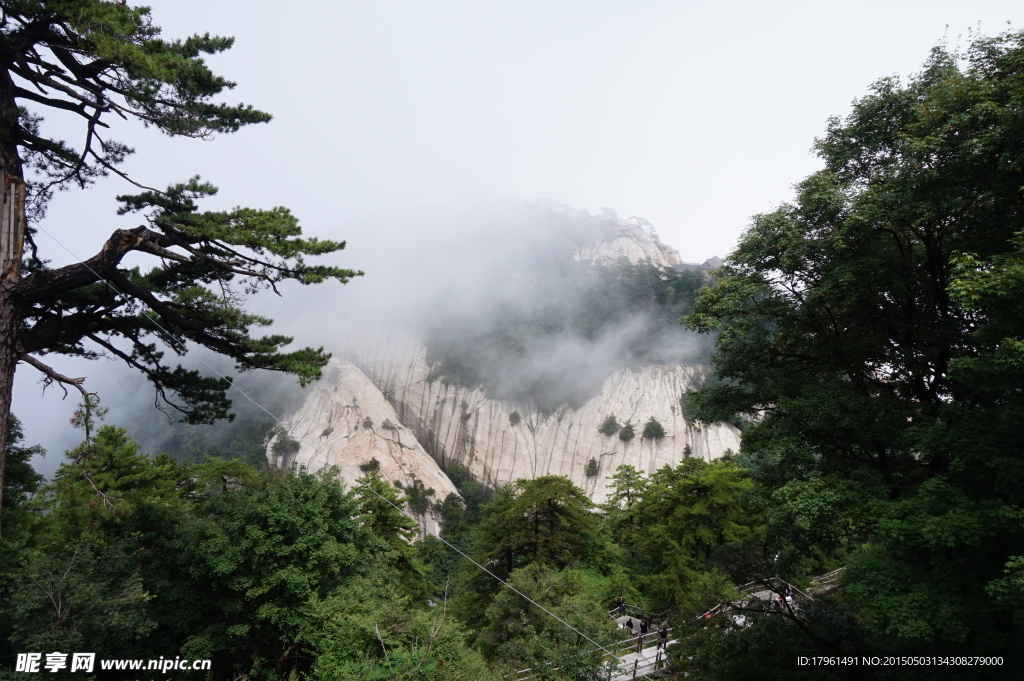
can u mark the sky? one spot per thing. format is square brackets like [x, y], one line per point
[693, 115]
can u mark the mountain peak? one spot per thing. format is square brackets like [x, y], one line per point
[627, 239]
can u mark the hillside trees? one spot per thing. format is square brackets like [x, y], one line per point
[135, 556]
[100, 61]
[840, 332]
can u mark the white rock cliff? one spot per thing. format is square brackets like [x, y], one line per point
[347, 423]
[384, 376]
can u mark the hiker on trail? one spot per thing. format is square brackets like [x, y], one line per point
[789, 594]
[622, 605]
[629, 625]
[643, 627]
[662, 637]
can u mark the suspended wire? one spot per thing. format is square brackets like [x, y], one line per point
[359, 481]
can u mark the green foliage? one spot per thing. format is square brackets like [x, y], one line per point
[609, 426]
[653, 430]
[514, 418]
[474, 494]
[266, 554]
[373, 632]
[380, 510]
[284, 444]
[683, 515]
[418, 497]
[871, 329]
[20, 482]
[627, 486]
[71, 599]
[388, 425]
[273, 575]
[371, 466]
[327, 431]
[593, 468]
[546, 522]
[520, 635]
[627, 433]
[112, 63]
[367, 423]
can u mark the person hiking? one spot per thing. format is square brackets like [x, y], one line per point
[662, 636]
[629, 625]
[622, 606]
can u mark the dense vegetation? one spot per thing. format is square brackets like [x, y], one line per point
[872, 330]
[286, 575]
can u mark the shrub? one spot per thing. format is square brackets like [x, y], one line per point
[327, 431]
[653, 430]
[367, 423]
[370, 466]
[627, 433]
[387, 425]
[418, 497]
[285, 444]
[592, 468]
[514, 418]
[609, 427]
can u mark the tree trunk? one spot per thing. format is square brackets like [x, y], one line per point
[12, 238]
[8, 360]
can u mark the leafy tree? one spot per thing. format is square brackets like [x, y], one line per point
[372, 631]
[609, 426]
[71, 597]
[522, 636]
[593, 468]
[546, 522]
[371, 466]
[418, 497]
[685, 513]
[653, 430]
[514, 418]
[627, 433]
[20, 483]
[98, 61]
[380, 507]
[267, 554]
[862, 326]
[106, 480]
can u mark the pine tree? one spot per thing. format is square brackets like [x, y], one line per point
[102, 61]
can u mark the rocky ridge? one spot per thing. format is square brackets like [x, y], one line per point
[347, 423]
[384, 375]
[632, 243]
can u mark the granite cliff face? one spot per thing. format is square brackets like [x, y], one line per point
[461, 425]
[385, 376]
[347, 423]
[632, 243]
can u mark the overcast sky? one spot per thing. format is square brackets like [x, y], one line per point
[693, 115]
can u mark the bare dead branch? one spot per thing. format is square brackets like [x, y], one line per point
[50, 376]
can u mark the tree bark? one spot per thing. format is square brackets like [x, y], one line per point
[9, 320]
[12, 238]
